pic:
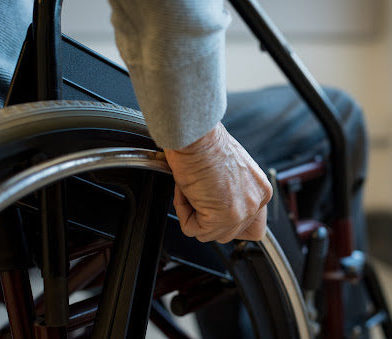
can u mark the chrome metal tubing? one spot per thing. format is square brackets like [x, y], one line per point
[49, 172]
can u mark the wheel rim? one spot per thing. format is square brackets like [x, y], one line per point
[44, 174]
[49, 172]
[285, 272]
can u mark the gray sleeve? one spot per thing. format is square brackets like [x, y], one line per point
[175, 52]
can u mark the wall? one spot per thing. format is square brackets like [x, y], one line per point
[359, 63]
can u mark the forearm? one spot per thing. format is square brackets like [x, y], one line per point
[175, 53]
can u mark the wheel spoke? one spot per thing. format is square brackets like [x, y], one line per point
[164, 321]
[134, 264]
[14, 276]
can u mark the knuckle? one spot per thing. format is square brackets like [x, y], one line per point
[187, 230]
[261, 229]
[233, 215]
[227, 237]
[267, 192]
[257, 233]
[236, 214]
[224, 240]
[176, 202]
[253, 205]
[261, 232]
[204, 239]
[208, 220]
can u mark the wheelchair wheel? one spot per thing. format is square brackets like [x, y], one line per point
[84, 196]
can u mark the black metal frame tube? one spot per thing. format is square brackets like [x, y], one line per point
[274, 43]
[47, 39]
[134, 263]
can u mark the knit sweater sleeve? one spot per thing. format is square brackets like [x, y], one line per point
[175, 52]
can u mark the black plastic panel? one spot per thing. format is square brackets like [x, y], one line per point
[89, 76]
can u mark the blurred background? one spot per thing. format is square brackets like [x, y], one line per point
[346, 44]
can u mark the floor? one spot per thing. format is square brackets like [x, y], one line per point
[188, 322]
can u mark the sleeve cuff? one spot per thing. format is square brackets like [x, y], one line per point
[181, 105]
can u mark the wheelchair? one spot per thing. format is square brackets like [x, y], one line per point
[85, 199]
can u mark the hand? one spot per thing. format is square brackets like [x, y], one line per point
[220, 193]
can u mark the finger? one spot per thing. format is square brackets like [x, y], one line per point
[257, 229]
[186, 214]
[222, 233]
[230, 234]
[240, 229]
[254, 231]
[212, 236]
[183, 208]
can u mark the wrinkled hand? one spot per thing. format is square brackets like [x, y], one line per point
[220, 193]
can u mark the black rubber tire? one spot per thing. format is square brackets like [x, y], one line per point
[36, 131]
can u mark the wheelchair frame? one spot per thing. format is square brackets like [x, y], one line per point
[41, 65]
